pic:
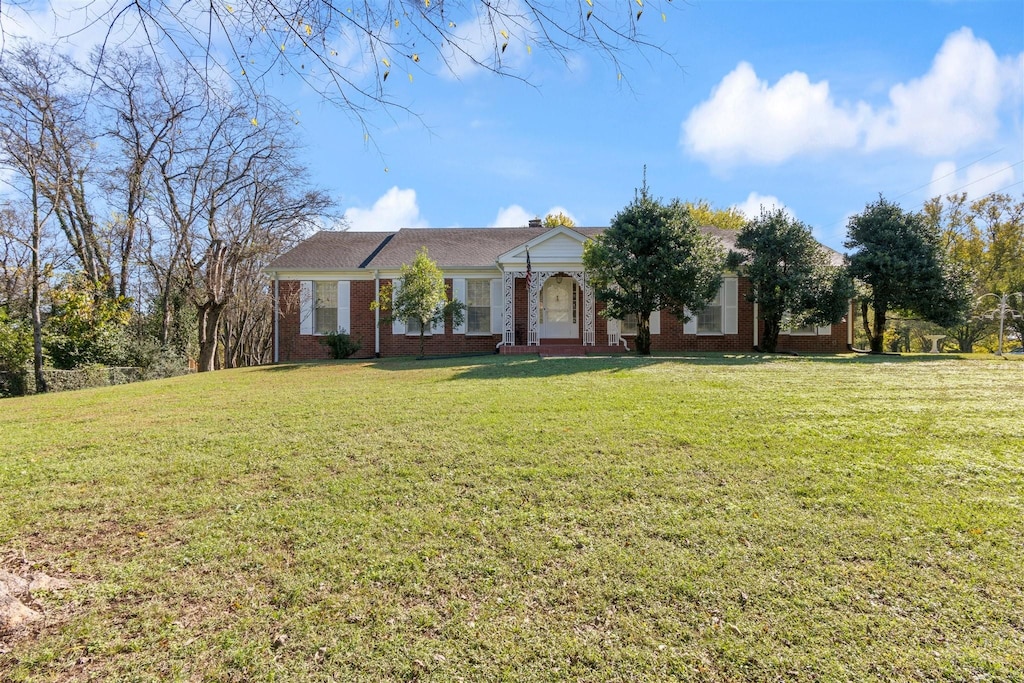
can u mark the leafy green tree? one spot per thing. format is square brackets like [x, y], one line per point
[86, 327]
[553, 220]
[985, 237]
[791, 274]
[15, 342]
[652, 257]
[898, 258]
[705, 213]
[420, 297]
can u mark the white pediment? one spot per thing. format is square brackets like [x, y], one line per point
[559, 245]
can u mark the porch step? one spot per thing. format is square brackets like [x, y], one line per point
[547, 350]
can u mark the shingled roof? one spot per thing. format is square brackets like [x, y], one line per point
[450, 247]
[453, 247]
[328, 250]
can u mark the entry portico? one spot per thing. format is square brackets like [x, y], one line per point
[552, 266]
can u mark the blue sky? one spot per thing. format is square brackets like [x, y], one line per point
[816, 106]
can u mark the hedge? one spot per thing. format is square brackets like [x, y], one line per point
[23, 382]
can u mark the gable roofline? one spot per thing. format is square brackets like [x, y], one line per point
[516, 253]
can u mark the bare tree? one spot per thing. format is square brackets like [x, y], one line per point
[30, 104]
[347, 52]
[142, 105]
[15, 259]
[232, 196]
[38, 81]
[280, 211]
[247, 335]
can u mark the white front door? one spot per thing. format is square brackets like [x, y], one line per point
[558, 315]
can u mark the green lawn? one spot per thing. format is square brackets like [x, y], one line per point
[709, 518]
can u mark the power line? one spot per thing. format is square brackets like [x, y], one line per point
[953, 172]
[978, 180]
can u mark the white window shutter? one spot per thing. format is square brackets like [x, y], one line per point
[614, 327]
[305, 307]
[655, 322]
[344, 306]
[459, 294]
[397, 326]
[825, 330]
[497, 306]
[730, 305]
[690, 327]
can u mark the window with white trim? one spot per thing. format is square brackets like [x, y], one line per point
[628, 327]
[325, 309]
[412, 328]
[787, 327]
[478, 307]
[709, 321]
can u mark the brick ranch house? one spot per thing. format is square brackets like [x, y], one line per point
[327, 283]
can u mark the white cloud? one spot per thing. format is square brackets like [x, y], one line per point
[555, 210]
[395, 209]
[976, 180]
[752, 205]
[516, 216]
[747, 120]
[955, 105]
[74, 28]
[513, 216]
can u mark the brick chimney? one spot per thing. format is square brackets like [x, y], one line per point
[536, 223]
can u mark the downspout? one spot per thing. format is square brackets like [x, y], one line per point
[376, 314]
[850, 320]
[277, 317]
[756, 325]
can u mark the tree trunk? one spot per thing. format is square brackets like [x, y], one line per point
[643, 334]
[209, 322]
[878, 333]
[770, 340]
[864, 317]
[37, 314]
[165, 321]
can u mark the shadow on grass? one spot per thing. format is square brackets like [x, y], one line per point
[284, 367]
[504, 367]
[493, 366]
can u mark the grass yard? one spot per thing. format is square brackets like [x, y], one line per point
[710, 518]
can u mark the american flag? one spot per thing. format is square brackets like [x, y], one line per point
[529, 270]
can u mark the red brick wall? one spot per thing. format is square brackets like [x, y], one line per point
[673, 339]
[436, 344]
[294, 346]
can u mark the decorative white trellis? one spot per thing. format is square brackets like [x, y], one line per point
[589, 311]
[533, 306]
[509, 337]
[537, 280]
